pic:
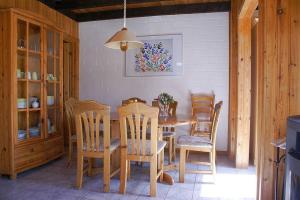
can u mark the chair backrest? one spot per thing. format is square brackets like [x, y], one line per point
[216, 116]
[132, 100]
[172, 107]
[203, 104]
[135, 118]
[89, 118]
[69, 106]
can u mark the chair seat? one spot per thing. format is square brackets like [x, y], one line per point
[114, 144]
[168, 134]
[194, 141]
[160, 146]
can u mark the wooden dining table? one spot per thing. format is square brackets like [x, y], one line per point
[170, 121]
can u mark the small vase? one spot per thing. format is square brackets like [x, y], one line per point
[164, 110]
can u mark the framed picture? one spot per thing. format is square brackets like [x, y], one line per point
[160, 56]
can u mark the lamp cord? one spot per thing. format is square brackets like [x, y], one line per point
[124, 14]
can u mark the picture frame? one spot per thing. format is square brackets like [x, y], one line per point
[162, 55]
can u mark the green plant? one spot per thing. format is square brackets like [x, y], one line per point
[165, 98]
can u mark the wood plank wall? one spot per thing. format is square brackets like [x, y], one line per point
[233, 60]
[278, 82]
[65, 23]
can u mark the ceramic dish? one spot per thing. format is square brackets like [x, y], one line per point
[21, 134]
[34, 132]
[22, 103]
[50, 100]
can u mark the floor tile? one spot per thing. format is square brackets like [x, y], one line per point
[55, 181]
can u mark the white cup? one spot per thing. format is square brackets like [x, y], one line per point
[29, 75]
[34, 76]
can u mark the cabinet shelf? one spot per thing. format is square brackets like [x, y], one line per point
[34, 52]
[35, 81]
[53, 82]
[22, 109]
[34, 109]
[22, 49]
[22, 79]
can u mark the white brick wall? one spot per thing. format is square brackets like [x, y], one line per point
[205, 54]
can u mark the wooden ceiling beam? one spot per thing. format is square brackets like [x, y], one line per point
[81, 4]
[154, 11]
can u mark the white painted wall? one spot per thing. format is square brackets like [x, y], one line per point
[205, 58]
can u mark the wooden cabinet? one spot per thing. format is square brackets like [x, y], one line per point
[31, 92]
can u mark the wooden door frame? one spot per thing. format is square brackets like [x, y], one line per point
[73, 74]
[244, 83]
[75, 71]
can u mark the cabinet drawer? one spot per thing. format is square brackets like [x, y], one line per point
[54, 148]
[29, 156]
[25, 151]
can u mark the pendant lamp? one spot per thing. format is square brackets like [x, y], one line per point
[124, 39]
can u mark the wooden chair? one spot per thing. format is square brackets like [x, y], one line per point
[169, 132]
[69, 106]
[132, 100]
[137, 147]
[200, 144]
[202, 111]
[89, 118]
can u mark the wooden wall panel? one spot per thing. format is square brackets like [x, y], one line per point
[232, 114]
[268, 28]
[243, 95]
[254, 96]
[279, 52]
[295, 59]
[278, 83]
[68, 25]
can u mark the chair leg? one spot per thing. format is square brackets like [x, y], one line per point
[79, 171]
[90, 166]
[214, 165]
[129, 169]
[174, 150]
[187, 154]
[123, 171]
[106, 171]
[70, 153]
[153, 175]
[161, 163]
[170, 149]
[182, 165]
[211, 161]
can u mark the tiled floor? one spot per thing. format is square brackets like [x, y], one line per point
[55, 181]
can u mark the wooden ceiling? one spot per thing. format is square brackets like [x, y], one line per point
[89, 10]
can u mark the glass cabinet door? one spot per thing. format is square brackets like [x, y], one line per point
[53, 87]
[29, 84]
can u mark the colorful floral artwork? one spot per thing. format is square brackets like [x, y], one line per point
[161, 55]
[153, 57]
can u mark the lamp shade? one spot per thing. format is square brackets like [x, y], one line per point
[123, 40]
